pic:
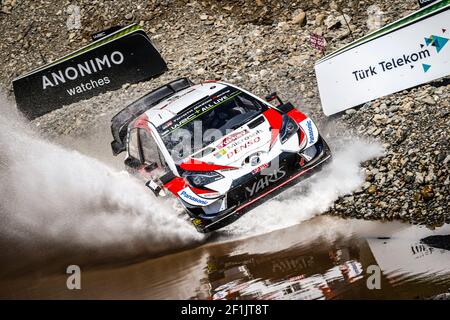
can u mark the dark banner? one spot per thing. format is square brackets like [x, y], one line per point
[423, 3]
[241, 309]
[114, 61]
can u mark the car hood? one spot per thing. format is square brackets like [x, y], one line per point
[236, 148]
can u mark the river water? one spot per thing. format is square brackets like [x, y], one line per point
[323, 258]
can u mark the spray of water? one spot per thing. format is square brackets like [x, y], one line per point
[56, 201]
[315, 195]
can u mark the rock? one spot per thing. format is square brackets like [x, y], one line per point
[372, 189]
[350, 111]
[380, 118]
[296, 60]
[344, 34]
[299, 18]
[320, 18]
[393, 109]
[366, 185]
[200, 71]
[401, 136]
[349, 199]
[344, 19]
[334, 5]
[430, 176]
[409, 178]
[417, 197]
[407, 106]
[427, 193]
[203, 17]
[129, 16]
[429, 100]
[377, 132]
[419, 178]
[332, 22]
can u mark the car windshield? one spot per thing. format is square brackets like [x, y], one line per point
[208, 120]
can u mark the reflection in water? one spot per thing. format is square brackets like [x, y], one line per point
[413, 254]
[315, 273]
[411, 261]
[324, 258]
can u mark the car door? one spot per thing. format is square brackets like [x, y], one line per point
[150, 154]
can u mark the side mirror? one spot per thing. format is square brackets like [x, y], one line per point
[273, 96]
[132, 162]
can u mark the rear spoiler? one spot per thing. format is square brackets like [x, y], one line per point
[120, 122]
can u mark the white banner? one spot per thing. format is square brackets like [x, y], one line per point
[406, 57]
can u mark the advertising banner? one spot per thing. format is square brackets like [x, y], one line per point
[124, 56]
[404, 54]
[424, 3]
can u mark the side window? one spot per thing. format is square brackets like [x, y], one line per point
[150, 150]
[133, 144]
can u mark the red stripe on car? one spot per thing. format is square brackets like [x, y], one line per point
[176, 185]
[297, 115]
[301, 136]
[197, 165]
[275, 120]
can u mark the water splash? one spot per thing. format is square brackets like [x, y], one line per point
[314, 195]
[58, 201]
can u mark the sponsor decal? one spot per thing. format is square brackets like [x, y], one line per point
[220, 153]
[104, 33]
[310, 131]
[196, 222]
[196, 110]
[187, 196]
[265, 181]
[387, 65]
[125, 56]
[237, 143]
[435, 41]
[242, 147]
[231, 138]
[264, 166]
[82, 69]
[404, 54]
[317, 42]
[438, 42]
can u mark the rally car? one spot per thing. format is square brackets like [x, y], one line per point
[216, 147]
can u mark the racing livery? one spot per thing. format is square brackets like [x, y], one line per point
[216, 147]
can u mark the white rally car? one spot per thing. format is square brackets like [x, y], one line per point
[216, 147]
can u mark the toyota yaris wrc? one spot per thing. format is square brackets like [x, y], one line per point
[216, 147]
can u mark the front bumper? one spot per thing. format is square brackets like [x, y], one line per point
[252, 190]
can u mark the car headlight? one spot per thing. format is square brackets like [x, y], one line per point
[288, 128]
[199, 179]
